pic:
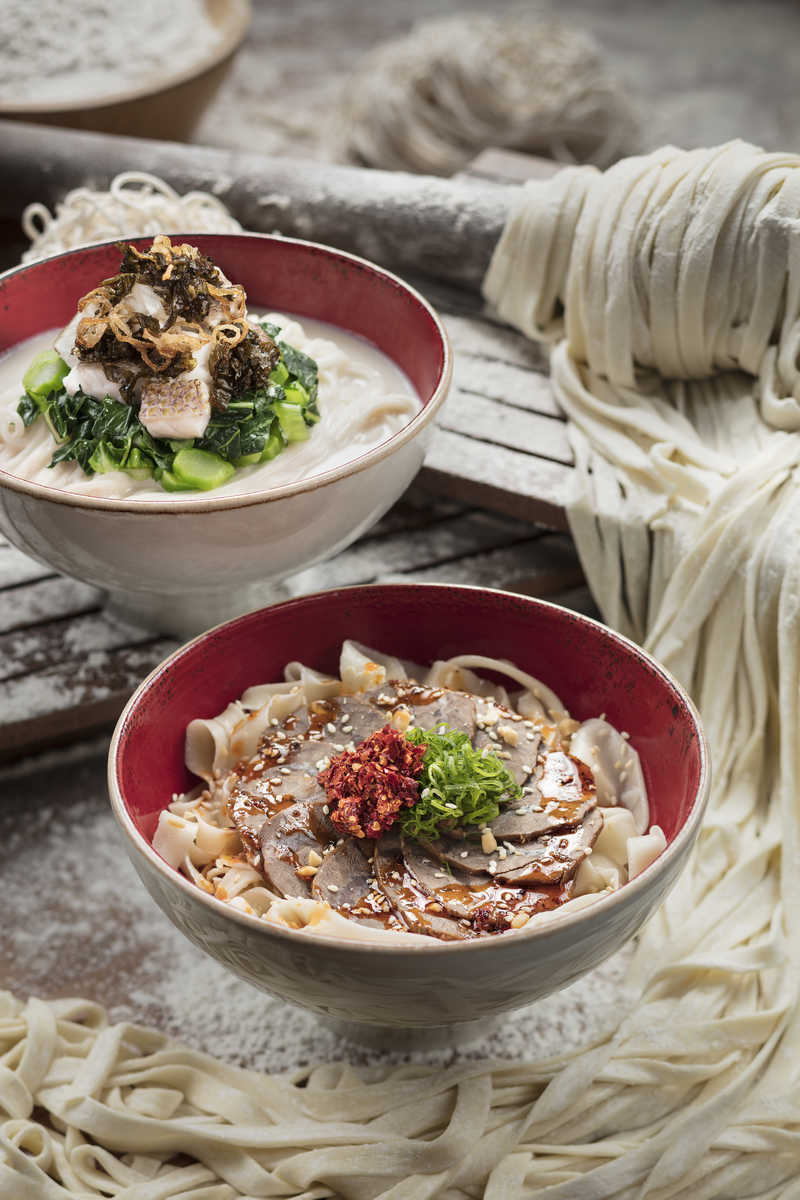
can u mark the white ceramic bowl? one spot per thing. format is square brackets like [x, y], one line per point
[399, 985]
[182, 565]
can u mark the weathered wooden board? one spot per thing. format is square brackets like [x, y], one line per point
[67, 667]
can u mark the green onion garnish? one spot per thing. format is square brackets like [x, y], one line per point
[458, 785]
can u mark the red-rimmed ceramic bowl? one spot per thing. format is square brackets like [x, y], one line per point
[185, 563]
[434, 983]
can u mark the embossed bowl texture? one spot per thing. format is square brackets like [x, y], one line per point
[400, 985]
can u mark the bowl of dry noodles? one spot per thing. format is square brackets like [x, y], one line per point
[410, 806]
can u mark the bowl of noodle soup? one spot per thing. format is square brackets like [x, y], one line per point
[367, 977]
[181, 561]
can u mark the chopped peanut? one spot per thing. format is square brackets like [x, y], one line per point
[488, 841]
[306, 872]
[519, 920]
[509, 734]
[401, 719]
[314, 859]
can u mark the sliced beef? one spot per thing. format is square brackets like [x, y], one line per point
[429, 706]
[248, 813]
[563, 796]
[487, 902]
[553, 857]
[346, 881]
[254, 801]
[407, 898]
[495, 721]
[458, 851]
[344, 878]
[360, 716]
[285, 842]
[456, 890]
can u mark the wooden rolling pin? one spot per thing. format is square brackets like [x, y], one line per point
[443, 228]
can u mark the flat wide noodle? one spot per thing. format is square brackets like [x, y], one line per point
[670, 289]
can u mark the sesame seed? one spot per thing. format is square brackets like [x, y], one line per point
[332, 887]
[464, 854]
[492, 867]
[285, 771]
[347, 729]
[526, 768]
[326, 809]
[331, 728]
[338, 746]
[274, 721]
[522, 810]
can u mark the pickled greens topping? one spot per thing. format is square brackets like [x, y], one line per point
[199, 389]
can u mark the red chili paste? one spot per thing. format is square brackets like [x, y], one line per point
[367, 787]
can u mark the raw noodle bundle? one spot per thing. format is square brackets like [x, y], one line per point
[430, 101]
[670, 291]
[135, 203]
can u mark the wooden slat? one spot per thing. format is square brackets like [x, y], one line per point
[521, 485]
[445, 541]
[45, 600]
[16, 568]
[475, 334]
[71, 700]
[66, 640]
[505, 383]
[545, 565]
[506, 425]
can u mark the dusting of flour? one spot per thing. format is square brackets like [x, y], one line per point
[79, 922]
[68, 50]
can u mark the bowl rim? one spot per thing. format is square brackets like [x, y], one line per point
[206, 503]
[236, 18]
[624, 896]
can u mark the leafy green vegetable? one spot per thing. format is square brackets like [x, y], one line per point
[458, 786]
[27, 409]
[104, 435]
